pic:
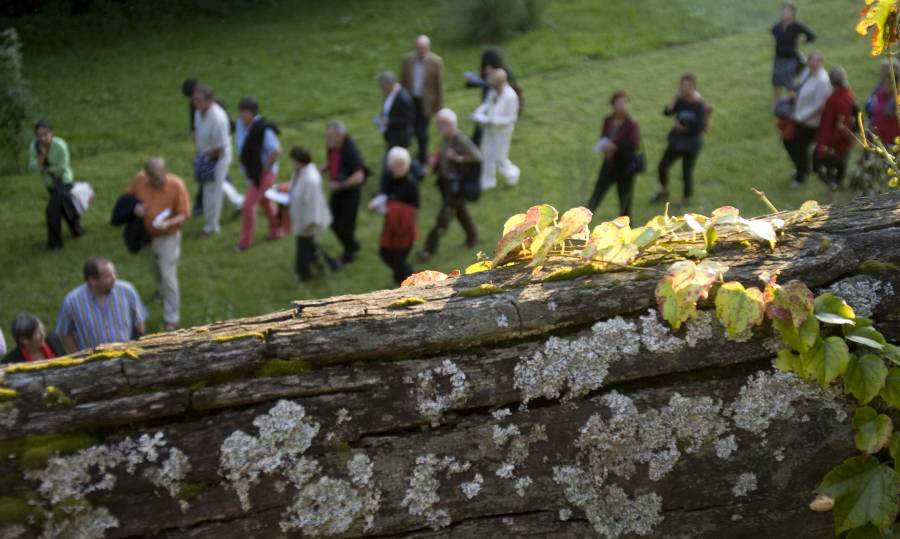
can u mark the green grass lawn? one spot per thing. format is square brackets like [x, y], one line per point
[111, 89]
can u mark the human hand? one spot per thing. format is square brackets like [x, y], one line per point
[139, 210]
[334, 186]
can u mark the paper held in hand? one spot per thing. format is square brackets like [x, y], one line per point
[278, 197]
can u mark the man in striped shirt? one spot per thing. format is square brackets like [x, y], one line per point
[101, 310]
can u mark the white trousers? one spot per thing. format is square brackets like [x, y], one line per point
[166, 251]
[212, 196]
[235, 198]
[495, 157]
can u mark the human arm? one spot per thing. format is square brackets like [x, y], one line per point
[65, 327]
[272, 145]
[220, 134]
[506, 110]
[807, 32]
[70, 344]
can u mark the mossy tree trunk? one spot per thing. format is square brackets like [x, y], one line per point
[563, 409]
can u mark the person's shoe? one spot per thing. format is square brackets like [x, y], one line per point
[54, 247]
[240, 248]
[660, 196]
[472, 242]
[170, 326]
[423, 255]
[274, 237]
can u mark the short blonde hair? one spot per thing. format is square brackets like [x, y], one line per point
[398, 154]
[498, 76]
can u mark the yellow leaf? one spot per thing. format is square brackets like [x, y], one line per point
[882, 15]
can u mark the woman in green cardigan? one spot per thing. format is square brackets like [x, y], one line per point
[50, 156]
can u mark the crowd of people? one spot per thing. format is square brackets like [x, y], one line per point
[818, 111]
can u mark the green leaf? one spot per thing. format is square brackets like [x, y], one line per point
[709, 238]
[791, 303]
[644, 236]
[739, 309]
[788, 361]
[686, 284]
[542, 243]
[828, 359]
[873, 430]
[895, 448]
[833, 310]
[862, 332]
[892, 353]
[697, 253]
[864, 491]
[802, 339]
[519, 227]
[477, 267]
[606, 235]
[864, 378]
[891, 390]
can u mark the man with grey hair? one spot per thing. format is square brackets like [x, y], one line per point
[164, 206]
[212, 140]
[346, 171]
[396, 119]
[498, 115]
[457, 165]
[422, 75]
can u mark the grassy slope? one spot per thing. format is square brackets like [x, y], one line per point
[113, 94]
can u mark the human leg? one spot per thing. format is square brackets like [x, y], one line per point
[420, 129]
[505, 167]
[53, 215]
[166, 251]
[604, 181]
[275, 230]
[248, 216]
[688, 161]
[625, 190]
[212, 197]
[665, 163]
[489, 159]
[465, 219]
[304, 257]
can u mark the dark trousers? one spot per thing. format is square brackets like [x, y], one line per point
[624, 187]
[420, 129]
[453, 205]
[396, 260]
[309, 254]
[799, 149]
[59, 207]
[688, 160]
[344, 208]
[831, 168]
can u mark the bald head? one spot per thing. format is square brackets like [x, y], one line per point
[155, 168]
[423, 46]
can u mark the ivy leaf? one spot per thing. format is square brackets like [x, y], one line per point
[685, 284]
[894, 449]
[477, 267]
[891, 390]
[873, 430]
[862, 332]
[759, 229]
[892, 353]
[802, 339]
[879, 14]
[542, 243]
[573, 222]
[864, 377]
[697, 253]
[833, 310]
[644, 236]
[789, 361]
[726, 215]
[739, 309]
[791, 303]
[424, 277]
[864, 491]
[615, 233]
[696, 222]
[520, 227]
[828, 359]
[869, 531]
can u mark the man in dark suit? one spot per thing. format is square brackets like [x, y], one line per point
[396, 119]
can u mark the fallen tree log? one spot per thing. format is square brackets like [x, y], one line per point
[564, 409]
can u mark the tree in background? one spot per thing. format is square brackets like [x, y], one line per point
[492, 21]
[15, 97]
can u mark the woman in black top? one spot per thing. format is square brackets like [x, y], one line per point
[32, 342]
[788, 59]
[685, 139]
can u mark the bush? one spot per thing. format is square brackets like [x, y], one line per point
[15, 98]
[491, 21]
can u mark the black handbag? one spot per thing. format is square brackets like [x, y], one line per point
[638, 163]
[471, 181]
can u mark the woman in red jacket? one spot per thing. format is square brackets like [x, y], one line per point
[399, 203]
[835, 138]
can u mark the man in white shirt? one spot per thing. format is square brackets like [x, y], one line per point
[813, 92]
[212, 136]
[497, 115]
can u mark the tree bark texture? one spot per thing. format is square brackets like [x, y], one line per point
[544, 409]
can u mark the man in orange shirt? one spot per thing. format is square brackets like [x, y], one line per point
[164, 205]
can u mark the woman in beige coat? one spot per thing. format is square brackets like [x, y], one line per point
[309, 214]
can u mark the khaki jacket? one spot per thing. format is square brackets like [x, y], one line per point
[433, 85]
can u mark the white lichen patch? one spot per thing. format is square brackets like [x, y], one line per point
[608, 508]
[83, 522]
[361, 469]
[653, 437]
[502, 434]
[471, 488]
[522, 484]
[726, 446]
[13, 532]
[770, 396]
[862, 292]
[330, 506]
[421, 494]
[9, 415]
[343, 416]
[284, 434]
[779, 454]
[506, 470]
[502, 321]
[500, 414]
[170, 474]
[746, 484]
[430, 401]
[565, 514]
[656, 336]
[577, 365]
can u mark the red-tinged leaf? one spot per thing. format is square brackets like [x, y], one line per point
[520, 227]
[615, 233]
[424, 277]
[726, 215]
[574, 221]
[791, 303]
[543, 215]
[880, 15]
[454, 274]
[686, 283]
